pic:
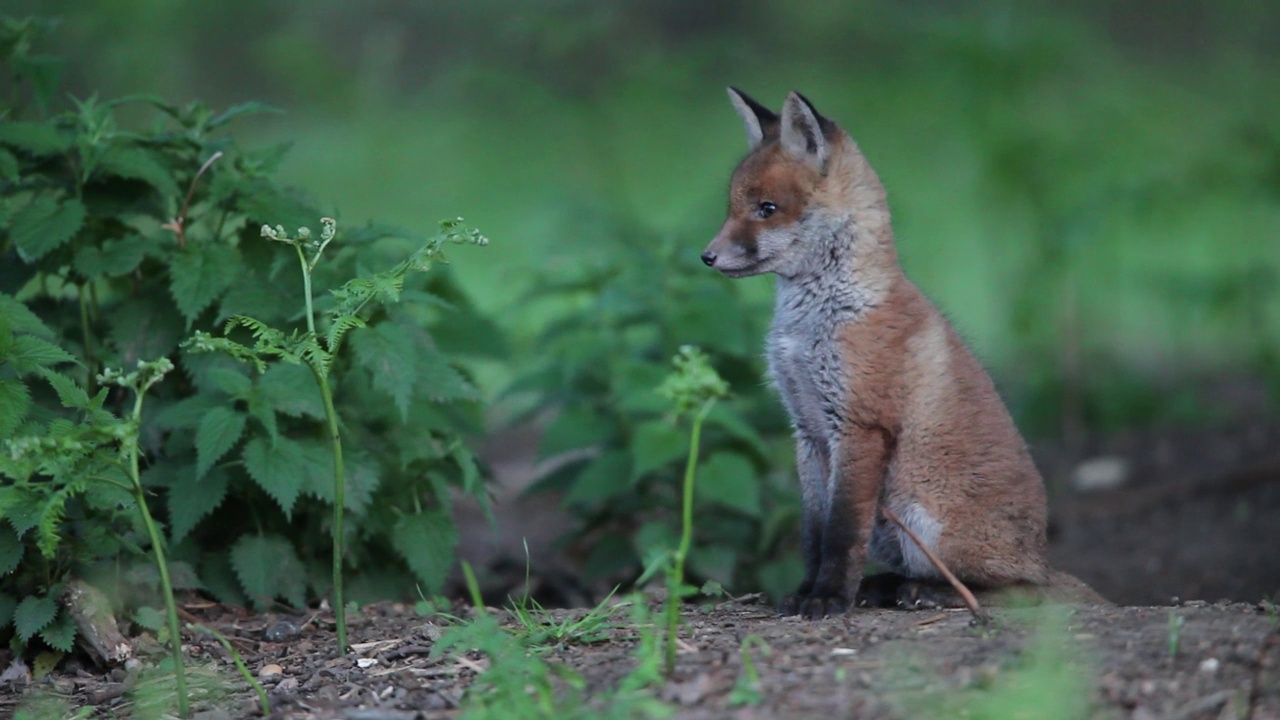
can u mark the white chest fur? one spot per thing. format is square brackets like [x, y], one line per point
[804, 361]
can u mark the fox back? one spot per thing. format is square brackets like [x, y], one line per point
[889, 407]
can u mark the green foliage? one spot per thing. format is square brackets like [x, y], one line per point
[693, 389]
[617, 318]
[746, 689]
[116, 243]
[543, 632]
[519, 683]
[1046, 680]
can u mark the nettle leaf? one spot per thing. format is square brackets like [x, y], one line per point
[134, 163]
[714, 562]
[187, 412]
[70, 394]
[362, 473]
[426, 541]
[200, 274]
[149, 618]
[388, 353]
[574, 428]
[281, 468]
[220, 580]
[8, 165]
[45, 224]
[11, 549]
[729, 479]
[20, 318]
[439, 380]
[605, 477]
[268, 568]
[656, 444]
[113, 259]
[192, 497]
[15, 403]
[29, 353]
[261, 410]
[219, 431]
[144, 329]
[232, 382]
[252, 107]
[22, 508]
[728, 419]
[33, 614]
[35, 138]
[292, 390]
[61, 633]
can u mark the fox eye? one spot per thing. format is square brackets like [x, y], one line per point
[765, 209]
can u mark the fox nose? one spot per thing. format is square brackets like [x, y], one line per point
[708, 258]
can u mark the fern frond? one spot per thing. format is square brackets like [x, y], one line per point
[340, 327]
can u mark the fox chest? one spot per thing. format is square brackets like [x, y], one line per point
[805, 366]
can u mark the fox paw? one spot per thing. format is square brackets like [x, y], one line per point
[924, 595]
[791, 604]
[819, 606]
[879, 591]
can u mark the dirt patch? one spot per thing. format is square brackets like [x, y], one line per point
[1114, 662]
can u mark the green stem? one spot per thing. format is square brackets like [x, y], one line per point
[157, 551]
[676, 581]
[339, 501]
[306, 283]
[244, 671]
[339, 482]
[89, 361]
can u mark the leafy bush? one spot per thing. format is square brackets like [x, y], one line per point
[125, 242]
[616, 320]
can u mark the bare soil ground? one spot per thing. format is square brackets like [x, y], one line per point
[1196, 517]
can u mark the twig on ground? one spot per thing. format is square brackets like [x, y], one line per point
[969, 600]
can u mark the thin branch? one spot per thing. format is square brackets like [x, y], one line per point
[969, 600]
[178, 224]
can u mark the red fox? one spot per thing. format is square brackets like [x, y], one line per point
[888, 404]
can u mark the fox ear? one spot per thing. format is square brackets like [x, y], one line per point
[756, 118]
[803, 131]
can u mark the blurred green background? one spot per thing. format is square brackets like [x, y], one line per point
[1090, 190]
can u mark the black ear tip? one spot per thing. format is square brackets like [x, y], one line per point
[804, 100]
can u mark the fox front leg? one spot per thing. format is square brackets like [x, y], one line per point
[813, 465]
[856, 475]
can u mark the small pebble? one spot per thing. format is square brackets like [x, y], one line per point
[132, 665]
[364, 663]
[1209, 665]
[1101, 473]
[270, 670]
[282, 631]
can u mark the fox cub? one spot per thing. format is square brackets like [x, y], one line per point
[889, 406]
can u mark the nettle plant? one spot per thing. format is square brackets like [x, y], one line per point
[617, 319]
[420, 537]
[115, 246]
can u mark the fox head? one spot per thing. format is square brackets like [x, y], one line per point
[802, 189]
